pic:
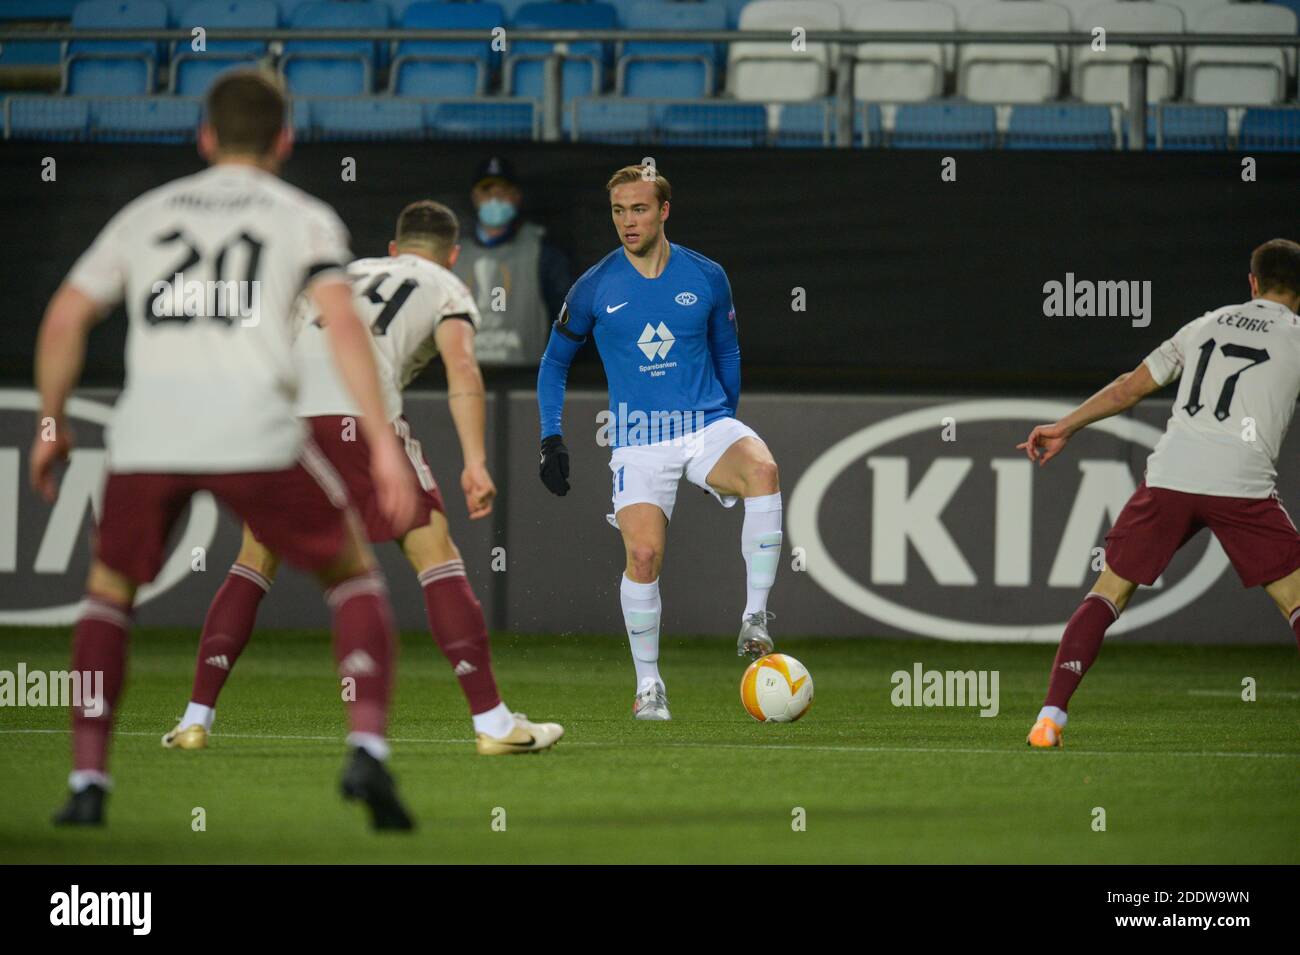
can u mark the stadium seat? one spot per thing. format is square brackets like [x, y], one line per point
[813, 124]
[1234, 75]
[670, 70]
[192, 72]
[368, 118]
[1012, 73]
[1176, 127]
[300, 118]
[46, 118]
[484, 119]
[1270, 130]
[1292, 5]
[332, 67]
[584, 62]
[113, 67]
[713, 124]
[944, 126]
[1102, 76]
[148, 119]
[1193, 10]
[1063, 126]
[772, 71]
[446, 68]
[901, 72]
[611, 120]
[38, 10]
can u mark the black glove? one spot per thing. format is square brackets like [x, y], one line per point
[555, 465]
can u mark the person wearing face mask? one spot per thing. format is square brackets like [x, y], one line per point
[517, 277]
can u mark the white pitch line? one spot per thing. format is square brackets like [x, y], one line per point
[1284, 694]
[683, 744]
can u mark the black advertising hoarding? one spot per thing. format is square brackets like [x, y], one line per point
[907, 516]
[854, 269]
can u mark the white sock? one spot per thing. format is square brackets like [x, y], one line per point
[760, 544]
[197, 713]
[641, 611]
[372, 743]
[79, 779]
[1055, 714]
[497, 722]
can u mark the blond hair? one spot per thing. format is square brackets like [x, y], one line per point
[642, 173]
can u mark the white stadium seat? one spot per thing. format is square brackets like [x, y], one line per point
[1102, 77]
[773, 71]
[1012, 73]
[1239, 75]
[901, 72]
[1193, 10]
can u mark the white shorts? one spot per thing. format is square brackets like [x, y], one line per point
[649, 473]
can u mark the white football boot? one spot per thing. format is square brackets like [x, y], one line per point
[651, 702]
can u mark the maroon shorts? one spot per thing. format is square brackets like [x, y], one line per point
[1256, 533]
[300, 513]
[344, 446]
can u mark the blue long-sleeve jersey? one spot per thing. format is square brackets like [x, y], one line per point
[668, 344]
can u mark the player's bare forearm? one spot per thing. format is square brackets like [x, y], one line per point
[466, 393]
[1120, 395]
[61, 348]
[350, 344]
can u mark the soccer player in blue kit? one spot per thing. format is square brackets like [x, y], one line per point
[665, 328]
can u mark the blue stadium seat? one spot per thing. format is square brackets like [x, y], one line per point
[397, 8]
[713, 124]
[1187, 127]
[483, 119]
[46, 118]
[300, 118]
[670, 70]
[1270, 130]
[611, 120]
[369, 118]
[38, 10]
[193, 72]
[944, 126]
[449, 68]
[585, 63]
[113, 67]
[147, 119]
[813, 124]
[24, 53]
[1069, 126]
[333, 67]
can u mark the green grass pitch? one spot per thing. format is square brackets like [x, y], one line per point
[1160, 739]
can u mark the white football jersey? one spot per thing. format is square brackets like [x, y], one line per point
[210, 378]
[403, 299]
[1240, 368]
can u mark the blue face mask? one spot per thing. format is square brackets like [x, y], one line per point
[495, 213]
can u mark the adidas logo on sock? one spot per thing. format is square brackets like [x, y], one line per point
[220, 661]
[465, 668]
[357, 663]
[1074, 666]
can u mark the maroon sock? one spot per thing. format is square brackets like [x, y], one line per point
[1295, 624]
[364, 648]
[99, 654]
[456, 620]
[226, 630]
[1079, 648]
